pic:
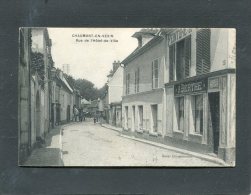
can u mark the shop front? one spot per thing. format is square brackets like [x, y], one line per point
[200, 114]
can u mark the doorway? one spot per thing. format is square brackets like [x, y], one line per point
[126, 117]
[154, 109]
[140, 108]
[214, 114]
[38, 115]
[133, 118]
[68, 113]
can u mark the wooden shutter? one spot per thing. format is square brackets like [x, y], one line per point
[128, 83]
[187, 56]
[171, 61]
[138, 81]
[152, 75]
[135, 81]
[203, 51]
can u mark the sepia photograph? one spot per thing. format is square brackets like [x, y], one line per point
[127, 97]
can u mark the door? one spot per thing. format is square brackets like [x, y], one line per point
[154, 117]
[68, 113]
[214, 109]
[133, 118]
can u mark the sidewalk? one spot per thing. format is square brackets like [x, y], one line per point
[182, 151]
[51, 153]
[108, 126]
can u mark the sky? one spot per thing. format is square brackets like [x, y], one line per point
[91, 60]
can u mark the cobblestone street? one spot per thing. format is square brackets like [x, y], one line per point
[88, 144]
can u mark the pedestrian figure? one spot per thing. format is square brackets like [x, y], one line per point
[94, 119]
[80, 114]
[75, 112]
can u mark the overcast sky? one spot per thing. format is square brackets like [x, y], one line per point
[91, 60]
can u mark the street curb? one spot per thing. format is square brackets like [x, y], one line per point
[110, 128]
[60, 140]
[197, 155]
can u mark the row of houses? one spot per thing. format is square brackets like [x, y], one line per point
[178, 87]
[45, 97]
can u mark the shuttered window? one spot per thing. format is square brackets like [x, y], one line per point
[138, 81]
[155, 74]
[180, 59]
[135, 82]
[203, 51]
[171, 61]
[127, 84]
[187, 56]
[136, 87]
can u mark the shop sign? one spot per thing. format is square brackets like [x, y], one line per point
[190, 87]
[178, 35]
[214, 83]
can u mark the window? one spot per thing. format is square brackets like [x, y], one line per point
[137, 81]
[155, 74]
[203, 51]
[198, 114]
[126, 117]
[180, 59]
[140, 109]
[172, 61]
[180, 113]
[127, 83]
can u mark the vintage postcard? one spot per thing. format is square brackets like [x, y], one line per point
[137, 97]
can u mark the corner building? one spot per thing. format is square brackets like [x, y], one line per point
[180, 89]
[201, 91]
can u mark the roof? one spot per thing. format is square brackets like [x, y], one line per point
[84, 101]
[63, 81]
[139, 50]
[145, 31]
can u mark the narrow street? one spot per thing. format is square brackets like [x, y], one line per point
[89, 144]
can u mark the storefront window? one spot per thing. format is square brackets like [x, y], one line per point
[180, 113]
[198, 114]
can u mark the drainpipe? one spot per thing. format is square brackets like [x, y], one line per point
[29, 90]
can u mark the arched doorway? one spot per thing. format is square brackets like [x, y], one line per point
[38, 115]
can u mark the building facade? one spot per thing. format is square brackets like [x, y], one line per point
[190, 102]
[64, 97]
[24, 115]
[142, 103]
[114, 95]
[200, 92]
[35, 63]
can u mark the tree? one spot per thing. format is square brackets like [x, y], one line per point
[86, 88]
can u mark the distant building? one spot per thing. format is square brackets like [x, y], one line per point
[84, 104]
[114, 95]
[66, 68]
[95, 108]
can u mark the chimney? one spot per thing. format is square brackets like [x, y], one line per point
[139, 41]
[116, 65]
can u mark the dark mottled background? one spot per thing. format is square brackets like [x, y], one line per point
[118, 13]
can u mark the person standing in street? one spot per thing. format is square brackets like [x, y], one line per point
[75, 112]
[80, 114]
